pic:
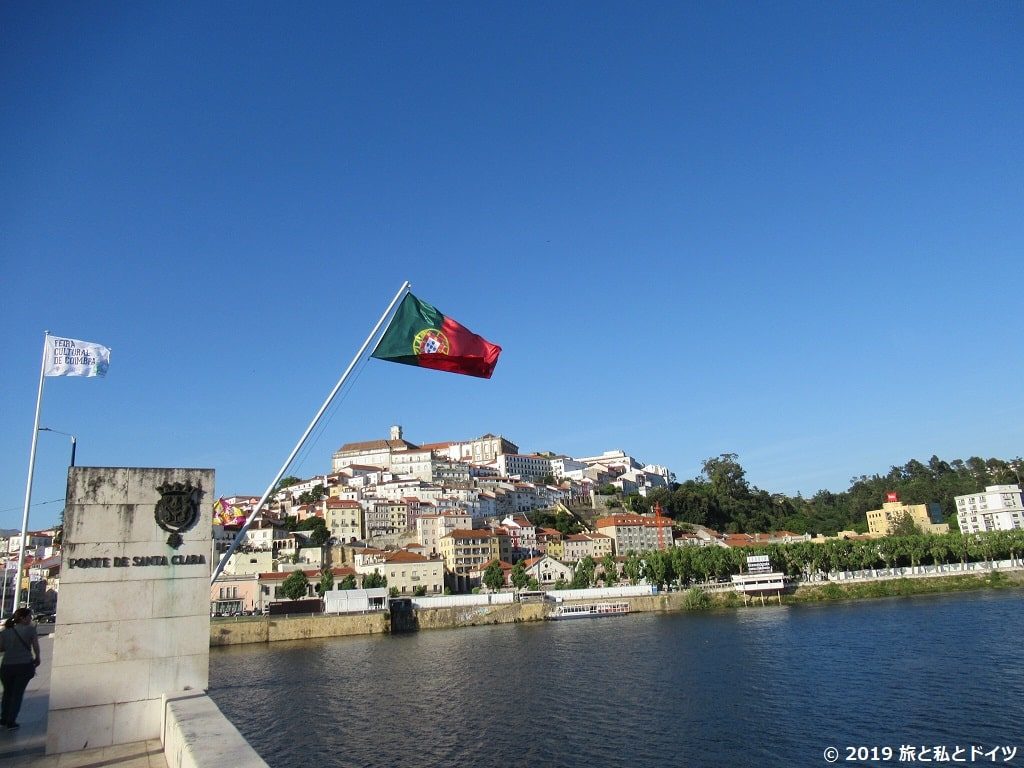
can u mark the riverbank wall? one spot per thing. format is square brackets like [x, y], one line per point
[271, 629]
[264, 629]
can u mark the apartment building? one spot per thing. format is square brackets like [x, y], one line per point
[998, 508]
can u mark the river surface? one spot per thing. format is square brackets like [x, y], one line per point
[759, 687]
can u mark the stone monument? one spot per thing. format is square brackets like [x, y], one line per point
[133, 615]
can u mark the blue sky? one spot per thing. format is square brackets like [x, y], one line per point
[792, 231]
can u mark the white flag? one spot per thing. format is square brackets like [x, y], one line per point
[71, 357]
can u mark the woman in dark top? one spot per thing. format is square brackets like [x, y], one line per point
[20, 646]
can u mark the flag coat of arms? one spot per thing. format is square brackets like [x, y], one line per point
[71, 357]
[422, 335]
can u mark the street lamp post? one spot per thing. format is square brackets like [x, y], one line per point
[74, 440]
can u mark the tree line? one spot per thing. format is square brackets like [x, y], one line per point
[683, 566]
[722, 498]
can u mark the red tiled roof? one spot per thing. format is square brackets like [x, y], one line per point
[476, 533]
[404, 556]
[375, 445]
[312, 575]
[343, 504]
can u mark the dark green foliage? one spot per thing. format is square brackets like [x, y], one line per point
[721, 498]
[583, 576]
[349, 582]
[494, 578]
[287, 482]
[318, 533]
[313, 496]
[374, 580]
[295, 586]
[559, 520]
[326, 583]
[518, 577]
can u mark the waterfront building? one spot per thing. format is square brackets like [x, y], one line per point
[235, 593]
[636, 533]
[469, 550]
[405, 571]
[546, 570]
[270, 584]
[759, 580]
[998, 508]
[926, 517]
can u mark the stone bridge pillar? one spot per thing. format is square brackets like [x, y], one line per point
[133, 611]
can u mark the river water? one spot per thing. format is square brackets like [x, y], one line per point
[764, 687]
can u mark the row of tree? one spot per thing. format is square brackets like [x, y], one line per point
[682, 566]
[296, 584]
[722, 498]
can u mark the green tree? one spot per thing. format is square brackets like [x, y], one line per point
[420, 591]
[287, 482]
[583, 575]
[610, 570]
[494, 578]
[326, 581]
[633, 568]
[375, 580]
[295, 586]
[349, 582]
[393, 592]
[518, 576]
[533, 584]
[312, 496]
[903, 525]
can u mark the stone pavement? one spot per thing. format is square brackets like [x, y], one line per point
[26, 747]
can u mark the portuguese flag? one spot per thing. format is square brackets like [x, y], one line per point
[421, 335]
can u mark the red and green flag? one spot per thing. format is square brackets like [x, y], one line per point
[421, 335]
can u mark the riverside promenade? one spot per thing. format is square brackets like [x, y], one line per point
[26, 747]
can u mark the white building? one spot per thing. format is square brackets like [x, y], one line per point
[525, 466]
[999, 508]
[562, 466]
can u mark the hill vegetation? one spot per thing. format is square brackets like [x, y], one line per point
[721, 498]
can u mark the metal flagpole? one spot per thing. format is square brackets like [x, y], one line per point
[28, 485]
[305, 435]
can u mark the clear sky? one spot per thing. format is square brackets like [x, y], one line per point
[788, 230]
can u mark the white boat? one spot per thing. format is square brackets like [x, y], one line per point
[589, 610]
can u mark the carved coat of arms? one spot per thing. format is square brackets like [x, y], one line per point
[178, 509]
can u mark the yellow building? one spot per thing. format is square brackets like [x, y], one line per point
[464, 551]
[881, 521]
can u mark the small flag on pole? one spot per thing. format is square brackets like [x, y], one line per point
[71, 357]
[421, 335]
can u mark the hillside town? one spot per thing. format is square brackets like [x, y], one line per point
[430, 519]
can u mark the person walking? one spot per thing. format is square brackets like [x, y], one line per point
[20, 646]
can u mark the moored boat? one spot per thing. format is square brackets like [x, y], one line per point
[589, 610]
